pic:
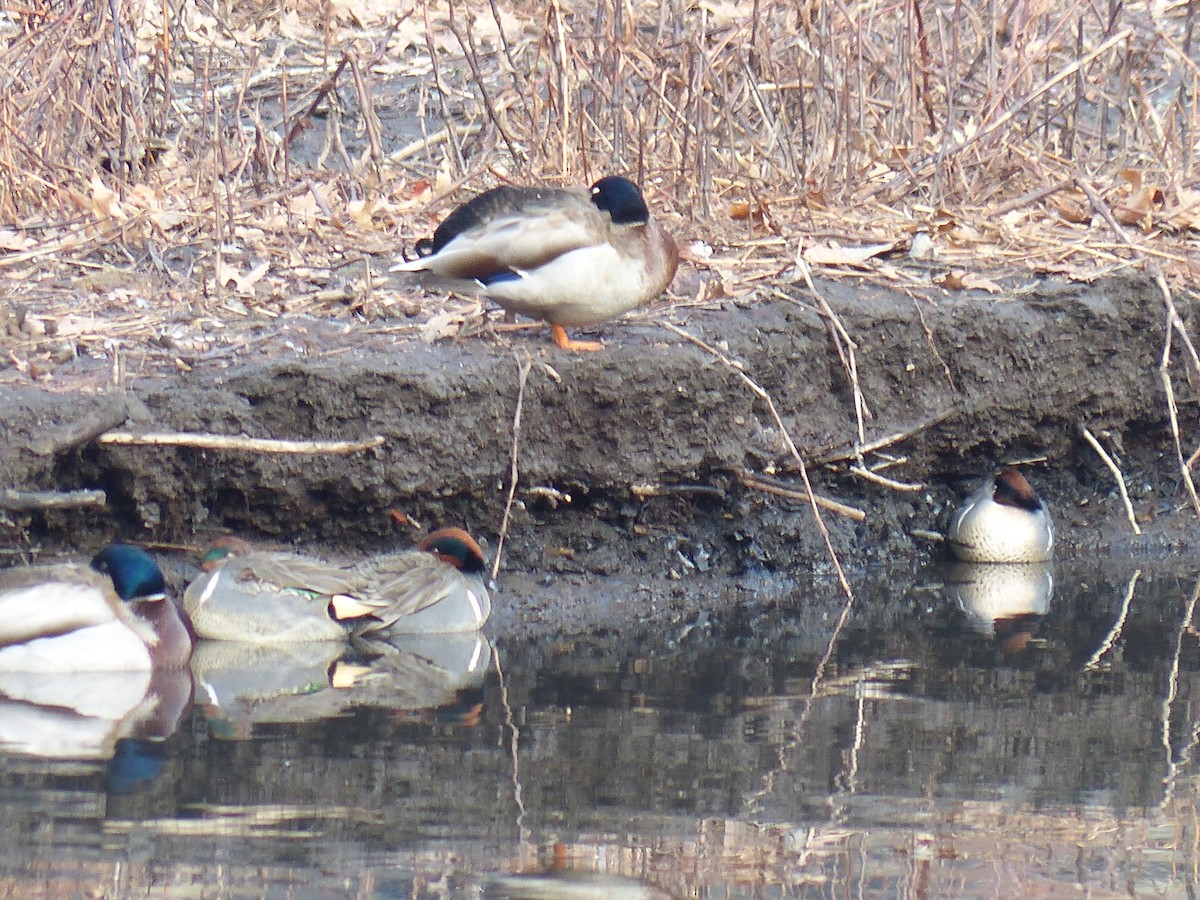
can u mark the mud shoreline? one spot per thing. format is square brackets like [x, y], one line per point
[651, 439]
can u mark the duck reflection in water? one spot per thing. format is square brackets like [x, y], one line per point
[240, 685]
[1003, 600]
[561, 884]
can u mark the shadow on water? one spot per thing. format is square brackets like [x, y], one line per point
[971, 733]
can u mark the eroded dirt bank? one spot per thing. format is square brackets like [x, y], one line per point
[651, 438]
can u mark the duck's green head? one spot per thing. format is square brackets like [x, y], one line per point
[134, 573]
[621, 199]
[456, 547]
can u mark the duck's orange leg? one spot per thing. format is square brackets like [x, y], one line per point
[560, 337]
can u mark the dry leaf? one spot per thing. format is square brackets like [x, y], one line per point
[962, 280]
[443, 180]
[105, 204]
[71, 325]
[922, 246]
[440, 326]
[243, 284]
[1187, 213]
[1139, 206]
[976, 282]
[362, 212]
[1071, 206]
[166, 219]
[722, 13]
[834, 255]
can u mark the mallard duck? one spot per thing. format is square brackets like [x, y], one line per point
[272, 597]
[112, 616]
[567, 257]
[1005, 521]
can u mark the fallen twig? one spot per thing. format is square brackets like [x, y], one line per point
[1112, 467]
[770, 486]
[323, 90]
[1032, 197]
[874, 477]
[235, 442]
[23, 501]
[522, 379]
[886, 441]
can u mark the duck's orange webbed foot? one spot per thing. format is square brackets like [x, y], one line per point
[560, 338]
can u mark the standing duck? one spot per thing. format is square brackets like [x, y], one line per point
[1005, 521]
[271, 597]
[567, 257]
[112, 616]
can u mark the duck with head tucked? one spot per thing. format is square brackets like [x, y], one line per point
[272, 597]
[567, 257]
[1005, 521]
[112, 616]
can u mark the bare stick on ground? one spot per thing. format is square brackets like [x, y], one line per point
[25, 501]
[235, 442]
[514, 473]
[1112, 467]
[770, 486]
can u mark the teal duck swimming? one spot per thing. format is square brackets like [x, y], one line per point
[112, 616]
[570, 258]
[274, 597]
[1005, 521]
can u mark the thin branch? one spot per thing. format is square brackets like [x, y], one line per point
[235, 442]
[1112, 467]
[909, 487]
[886, 441]
[323, 90]
[514, 474]
[1076, 65]
[770, 486]
[23, 501]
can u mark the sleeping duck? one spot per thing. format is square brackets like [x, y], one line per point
[1005, 521]
[567, 257]
[112, 616]
[270, 597]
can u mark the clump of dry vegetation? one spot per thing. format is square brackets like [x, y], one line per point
[271, 159]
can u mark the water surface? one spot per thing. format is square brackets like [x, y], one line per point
[926, 750]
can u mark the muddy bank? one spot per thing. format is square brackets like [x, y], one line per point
[650, 439]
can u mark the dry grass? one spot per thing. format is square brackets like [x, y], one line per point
[246, 162]
[859, 120]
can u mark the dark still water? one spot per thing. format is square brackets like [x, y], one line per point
[967, 734]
